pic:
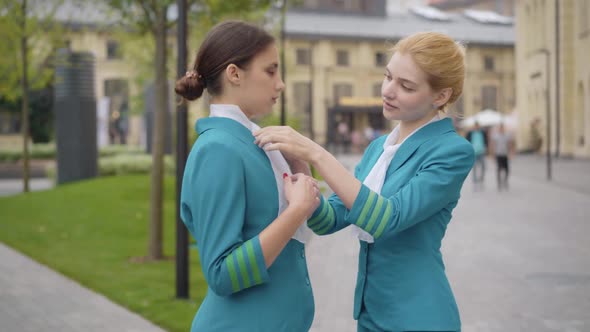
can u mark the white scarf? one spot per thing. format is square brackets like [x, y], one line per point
[376, 177]
[277, 161]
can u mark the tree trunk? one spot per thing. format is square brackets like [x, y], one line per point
[161, 98]
[25, 102]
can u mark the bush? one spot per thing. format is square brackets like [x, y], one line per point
[48, 151]
[113, 150]
[124, 164]
[131, 164]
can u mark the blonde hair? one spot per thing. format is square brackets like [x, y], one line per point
[440, 57]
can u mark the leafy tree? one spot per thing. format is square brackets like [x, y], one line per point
[152, 17]
[28, 37]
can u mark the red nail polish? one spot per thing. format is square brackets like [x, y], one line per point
[285, 175]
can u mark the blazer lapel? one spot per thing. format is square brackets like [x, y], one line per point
[407, 149]
[233, 128]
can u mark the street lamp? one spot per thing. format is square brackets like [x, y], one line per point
[182, 271]
[536, 75]
[283, 71]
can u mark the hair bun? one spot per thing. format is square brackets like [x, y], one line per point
[189, 87]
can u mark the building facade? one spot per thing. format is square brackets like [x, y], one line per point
[335, 64]
[553, 83]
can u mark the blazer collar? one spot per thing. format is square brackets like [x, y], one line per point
[227, 125]
[418, 138]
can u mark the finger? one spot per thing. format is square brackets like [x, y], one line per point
[298, 176]
[272, 146]
[287, 181]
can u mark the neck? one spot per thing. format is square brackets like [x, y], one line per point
[228, 101]
[408, 127]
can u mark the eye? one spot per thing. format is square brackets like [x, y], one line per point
[387, 76]
[407, 88]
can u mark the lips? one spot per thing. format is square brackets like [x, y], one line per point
[389, 106]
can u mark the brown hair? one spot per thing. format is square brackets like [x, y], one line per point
[228, 42]
[440, 57]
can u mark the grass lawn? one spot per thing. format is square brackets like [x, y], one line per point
[89, 230]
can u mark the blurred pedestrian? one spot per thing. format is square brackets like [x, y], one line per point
[502, 148]
[478, 138]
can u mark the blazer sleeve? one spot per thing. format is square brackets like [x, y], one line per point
[436, 184]
[214, 210]
[329, 217]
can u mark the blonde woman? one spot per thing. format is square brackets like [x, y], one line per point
[400, 198]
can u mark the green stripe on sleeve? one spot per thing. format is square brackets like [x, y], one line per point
[325, 227]
[231, 268]
[368, 204]
[375, 214]
[384, 220]
[315, 220]
[242, 264]
[253, 263]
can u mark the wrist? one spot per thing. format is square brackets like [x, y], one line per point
[296, 212]
[316, 156]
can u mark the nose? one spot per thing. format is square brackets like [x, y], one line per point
[388, 90]
[280, 85]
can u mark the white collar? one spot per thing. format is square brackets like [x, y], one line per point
[392, 137]
[232, 112]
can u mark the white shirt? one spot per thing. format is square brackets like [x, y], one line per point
[376, 176]
[277, 161]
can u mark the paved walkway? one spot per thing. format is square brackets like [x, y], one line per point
[15, 186]
[34, 298]
[517, 260]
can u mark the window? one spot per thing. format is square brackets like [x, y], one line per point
[301, 96]
[489, 97]
[377, 89]
[380, 59]
[583, 17]
[302, 101]
[303, 56]
[113, 50]
[342, 90]
[488, 63]
[342, 58]
[116, 87]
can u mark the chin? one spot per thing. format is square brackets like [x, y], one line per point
[390, 115]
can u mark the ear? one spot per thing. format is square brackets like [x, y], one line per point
[233, 74]
[442, 97]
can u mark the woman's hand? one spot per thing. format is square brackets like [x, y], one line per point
[302, 192]
[292, 144]
[299, 166]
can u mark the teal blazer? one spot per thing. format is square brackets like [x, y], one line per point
[401, 282]
[229, 195]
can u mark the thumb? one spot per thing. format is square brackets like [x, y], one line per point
[287, 179]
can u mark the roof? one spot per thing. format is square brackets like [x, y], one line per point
[460, 27]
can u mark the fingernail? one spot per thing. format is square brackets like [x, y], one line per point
[285, 175]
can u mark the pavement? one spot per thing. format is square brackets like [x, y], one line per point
[34, 298]
[518, 260]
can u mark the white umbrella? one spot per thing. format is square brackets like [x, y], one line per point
[485, 118]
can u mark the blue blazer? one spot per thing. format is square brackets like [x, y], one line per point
[229, 195]
[401, 282]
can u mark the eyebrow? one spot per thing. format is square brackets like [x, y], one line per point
[404, 80]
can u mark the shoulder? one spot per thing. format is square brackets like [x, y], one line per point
[375, 145]
[449, 145]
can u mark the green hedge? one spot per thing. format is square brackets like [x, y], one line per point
[124, 164]
[132, 164]
[48, 151]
